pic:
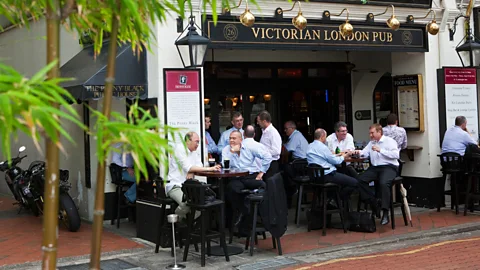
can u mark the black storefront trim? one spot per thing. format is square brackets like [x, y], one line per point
[320, 35]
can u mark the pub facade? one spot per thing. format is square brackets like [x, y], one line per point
[314, 76]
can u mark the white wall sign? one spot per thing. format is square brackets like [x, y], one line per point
[461, 97]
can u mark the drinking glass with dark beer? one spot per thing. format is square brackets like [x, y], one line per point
[226, 164]
[211, 162]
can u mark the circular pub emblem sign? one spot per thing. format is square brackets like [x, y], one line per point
[407, 37]
[230, 32]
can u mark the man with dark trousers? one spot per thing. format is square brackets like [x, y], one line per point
[245, 155]
[271, 139]
[384, 154]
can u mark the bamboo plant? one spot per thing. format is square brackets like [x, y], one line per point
[38, 113]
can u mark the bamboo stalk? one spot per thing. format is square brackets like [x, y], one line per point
[100, 192]
[50, 218]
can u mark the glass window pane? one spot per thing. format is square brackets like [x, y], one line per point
[231, 73]
[289, 72]
[227, 105]
[257, 73]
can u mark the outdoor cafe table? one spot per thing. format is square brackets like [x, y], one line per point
[222, 176]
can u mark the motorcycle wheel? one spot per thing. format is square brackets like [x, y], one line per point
[32, 205]
[69, 213]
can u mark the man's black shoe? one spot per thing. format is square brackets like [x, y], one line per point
[385, 220]
[128, 203]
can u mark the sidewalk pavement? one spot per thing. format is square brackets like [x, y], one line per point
[21, 240]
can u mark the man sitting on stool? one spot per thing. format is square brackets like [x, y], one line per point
[245, 155]
[318, 153]
[187, 163]
[384, 155]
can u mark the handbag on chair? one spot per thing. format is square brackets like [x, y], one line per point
[361, 222]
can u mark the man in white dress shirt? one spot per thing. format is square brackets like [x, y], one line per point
[272, 140]
[187, 162]
[344, 141]
[384, 154]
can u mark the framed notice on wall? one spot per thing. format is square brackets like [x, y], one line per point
[183, 101]
[409, 91]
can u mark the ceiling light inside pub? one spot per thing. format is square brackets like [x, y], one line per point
[299, 21]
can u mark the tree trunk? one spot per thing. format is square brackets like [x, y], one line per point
[50, 218]
[100, 187]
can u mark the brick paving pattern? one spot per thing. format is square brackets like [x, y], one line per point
[421, 222]
[454, 254]
[21, 238]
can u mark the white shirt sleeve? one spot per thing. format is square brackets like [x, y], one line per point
[349, 143]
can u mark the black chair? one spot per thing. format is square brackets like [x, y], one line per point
[453, 165]
[255, 199]
[116, 175]
[472, 163]
[164, 231]
[195, 194]
[301, 178]
[321, 189]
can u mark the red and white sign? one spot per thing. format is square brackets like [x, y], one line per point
[183, 100]
[461, 97]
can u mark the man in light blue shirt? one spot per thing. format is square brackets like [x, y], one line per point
[237, 122]
[245, 155]
[125, 161]
[457, 137]
[211, 145]
[318, 153]
[297, 144]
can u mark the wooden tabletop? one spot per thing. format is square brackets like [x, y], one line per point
[224, 173]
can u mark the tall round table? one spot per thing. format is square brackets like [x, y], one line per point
[222, 176]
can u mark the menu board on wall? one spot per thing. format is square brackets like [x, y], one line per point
[409, 89]
[461, 97]
[183, 106]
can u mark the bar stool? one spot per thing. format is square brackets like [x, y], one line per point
[472, 162]
[317, 176]
[196, 198]
[452, 164]
[301, 178]
[255, 199]
[116, 175]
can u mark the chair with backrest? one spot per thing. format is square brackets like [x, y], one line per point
[453, 165]
[116, 175]
[472, 167]
[197, 198]
[320, 195]
[301, 178]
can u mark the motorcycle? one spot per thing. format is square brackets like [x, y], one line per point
[27, 187]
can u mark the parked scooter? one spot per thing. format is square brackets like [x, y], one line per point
[27, 187]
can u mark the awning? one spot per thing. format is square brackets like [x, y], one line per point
[89, 73]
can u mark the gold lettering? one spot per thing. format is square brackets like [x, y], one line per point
[307, 35]
[358, 36]
[278, 32]
[365, 36]
[287, 35]
[375, 36]
[316, 34]
[255, 31]
[294, 34]
[327, 36]
[389, 37]
[267, 33]
[335, 35]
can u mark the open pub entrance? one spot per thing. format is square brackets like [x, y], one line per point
[311, 94]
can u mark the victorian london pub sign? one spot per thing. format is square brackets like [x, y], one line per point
[317, 36]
